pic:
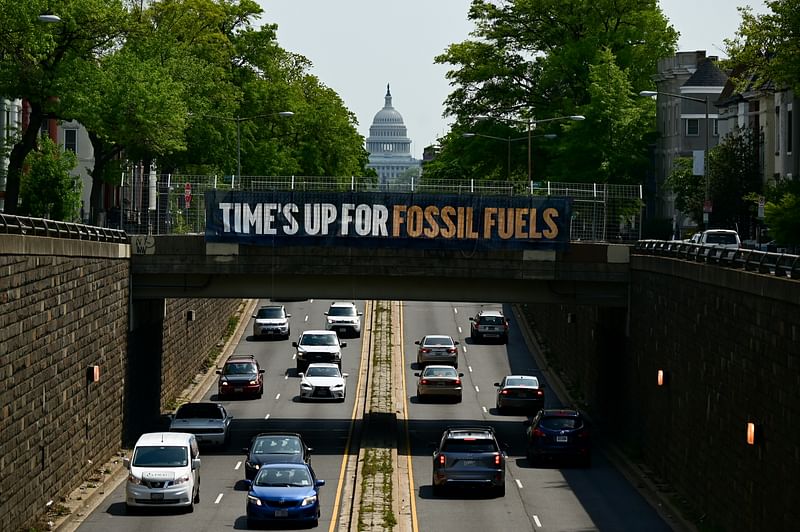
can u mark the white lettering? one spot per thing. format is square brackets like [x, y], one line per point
[363, 220]
[291, 226]
[269, 217]
[328, 217]
[347, 218]
[252, 218]
[380, 215]
[226, 216]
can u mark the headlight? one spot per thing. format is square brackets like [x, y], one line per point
[254, 466]
[305, 386]
[255, 500]
[182, 480]
[253, 382]
[337, 386]
[309, 500]
[223, 383]
[133, 479]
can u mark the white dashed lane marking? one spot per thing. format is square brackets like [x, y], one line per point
[238, 465]
[455, 310]
[519, 484]
[536, 520]
[484, 410]
[277, 397]
[477, 389]
[459, 330]
[219, 498]
[306, 318]
[469, 368]
[267, 416]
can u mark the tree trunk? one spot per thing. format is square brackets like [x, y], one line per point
[104, 153]
[16, 159]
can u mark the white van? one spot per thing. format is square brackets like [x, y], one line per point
[163, 472]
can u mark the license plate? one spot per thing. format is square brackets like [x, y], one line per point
[238, 389]
[157, 496]
[281, 513]
[561, 439]
[469, 462]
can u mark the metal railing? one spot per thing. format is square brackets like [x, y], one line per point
[600, 212]
[777, 264]
[23, 225]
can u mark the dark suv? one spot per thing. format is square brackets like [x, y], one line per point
[275, 448]
[489, 324]
[240, 375]
[469, 456]
[561, 432]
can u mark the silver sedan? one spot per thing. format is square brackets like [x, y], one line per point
[439, 381]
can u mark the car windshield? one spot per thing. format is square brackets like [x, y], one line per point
[491, 320]
[469, 445]
[721, 238]
[199, 410]
[560, 423]
[161, 456]
[277, 445]
[522, 381]
[341, 311]
[322, 372]
[318, 339]
[439, 372]
[274, 476]
[239, 368]
[432, 341]
[270, 313]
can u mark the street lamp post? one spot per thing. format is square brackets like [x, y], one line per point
[704, 101]
[238, 119]
[532, 124]
[509, 140]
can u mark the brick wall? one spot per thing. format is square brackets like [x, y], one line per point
[729, 342]
[58, 315]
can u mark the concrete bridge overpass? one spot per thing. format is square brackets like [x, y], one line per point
[187, 266]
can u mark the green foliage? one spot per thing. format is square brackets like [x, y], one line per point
[689, 189]
[767, 46]
[552, 58]
[48, 190]
[783, 219]
[733, 173]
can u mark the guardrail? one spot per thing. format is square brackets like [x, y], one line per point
[777, 264]
[23, 225]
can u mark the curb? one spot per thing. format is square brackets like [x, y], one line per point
[117, 474]
[640, 481]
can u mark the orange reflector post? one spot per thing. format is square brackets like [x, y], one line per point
[660, 377]
[751, 434]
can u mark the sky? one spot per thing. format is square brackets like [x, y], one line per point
[358, 46]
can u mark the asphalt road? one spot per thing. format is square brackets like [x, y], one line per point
[552, 498]
[558, 497]
[325, 427]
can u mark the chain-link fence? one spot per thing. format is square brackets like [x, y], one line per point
[174, 204]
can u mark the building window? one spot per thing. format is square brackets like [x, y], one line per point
[777, 130]
[715, 125]
[692, 127]
[789, 126]
[71, 140]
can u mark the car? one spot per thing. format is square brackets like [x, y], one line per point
[283, 492]
[323, 381]
[469, 456]
[439, 381]
[721, 238]
[240, 375]
[560, 432]
[272, 321]
[163, 471]
[522, 392]
[437, 349]
[318, 346]
[275, 447]
[344, 318]
[209, 422]
[489, 324]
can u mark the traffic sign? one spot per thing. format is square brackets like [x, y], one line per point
[187, 194]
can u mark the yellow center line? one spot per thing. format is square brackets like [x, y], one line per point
[412, 495]
[366, 338]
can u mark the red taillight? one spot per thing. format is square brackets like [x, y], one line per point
[583, 434]
[539, 392]
[452, 350]
[458, 382]
[504, 392]
[424, 381]
[497, 459]
[425, 350]
[538, 433]
[442, 459]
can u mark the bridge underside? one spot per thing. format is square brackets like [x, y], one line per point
[180, 267]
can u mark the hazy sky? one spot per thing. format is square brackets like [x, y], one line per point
[358, 46]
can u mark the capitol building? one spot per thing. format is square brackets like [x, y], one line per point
[389, 146]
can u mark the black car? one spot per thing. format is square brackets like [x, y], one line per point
[469, 456]
[558, 433]
[275, 448]
[240, 375]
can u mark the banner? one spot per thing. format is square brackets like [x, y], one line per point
[387, 219]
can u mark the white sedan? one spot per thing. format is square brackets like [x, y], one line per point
[323, 381]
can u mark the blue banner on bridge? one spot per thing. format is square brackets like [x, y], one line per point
[387, 219]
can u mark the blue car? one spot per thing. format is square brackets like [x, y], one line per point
[284, 492]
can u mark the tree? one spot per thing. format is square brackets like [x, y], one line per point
[783, 219]
[767, 46]
[733, 173]
[48, 190]
[43, 64]
[689, 189]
